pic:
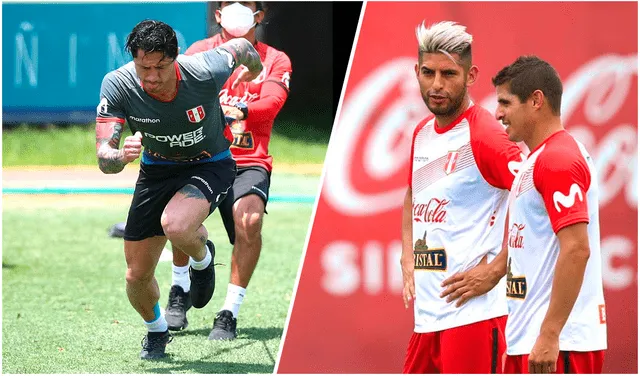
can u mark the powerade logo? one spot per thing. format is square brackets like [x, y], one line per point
[183, 140]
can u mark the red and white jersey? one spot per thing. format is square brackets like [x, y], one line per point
[556, 187]
[251, 137]
[460, 176]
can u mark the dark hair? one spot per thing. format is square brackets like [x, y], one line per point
[528, 74]
[153, 36]
[260, 5]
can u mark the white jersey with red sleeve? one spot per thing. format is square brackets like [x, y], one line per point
[264, 98]
[460, 177]
[555, 188]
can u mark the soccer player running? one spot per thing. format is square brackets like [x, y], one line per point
[255, 105]
[557, 320]
[170, 104]
[462, 165]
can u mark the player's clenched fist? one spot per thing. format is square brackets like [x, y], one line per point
[132, 148]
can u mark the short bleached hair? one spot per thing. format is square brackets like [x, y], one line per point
[445, 37]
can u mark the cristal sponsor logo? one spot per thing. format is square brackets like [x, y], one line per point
[516, 237]
[241, 139]
[432, 212]
[567, 200]
[425, 258]
[183, 140]
[144, 120]
[433, 259]
[516, 285]
[203, 182]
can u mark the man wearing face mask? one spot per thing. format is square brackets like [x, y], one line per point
[254, 106]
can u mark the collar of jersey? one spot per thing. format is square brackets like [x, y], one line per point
[453, 123]
[178, 79]
[562, 131]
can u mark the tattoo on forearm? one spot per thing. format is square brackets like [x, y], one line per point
[244, 54]
[107, 144]
[203, 239]
[191, 191]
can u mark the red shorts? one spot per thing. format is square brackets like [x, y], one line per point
[473, 348]
[568, 362]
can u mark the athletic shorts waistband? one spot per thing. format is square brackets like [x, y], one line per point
[148, 159]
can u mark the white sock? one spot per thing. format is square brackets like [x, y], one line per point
[180, 277]
[235, 295]
[159, 324]
[201, 265]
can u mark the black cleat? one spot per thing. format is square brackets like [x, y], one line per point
[203, 282]
[177, 307]
[224, 327]
[153, 345]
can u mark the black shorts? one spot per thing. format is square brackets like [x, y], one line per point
[249, 180]
[157, 184]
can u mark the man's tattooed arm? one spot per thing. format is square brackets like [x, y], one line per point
[110, 157]
[244, 54]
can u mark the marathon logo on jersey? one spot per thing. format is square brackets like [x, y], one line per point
[241, 139]
[516, 238]
[516, 286]
[452, 159]
[144, 120]
[183, 140]
[432, 212]
[196, 114]
[434, 259]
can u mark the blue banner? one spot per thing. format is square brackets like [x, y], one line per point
[54, 56]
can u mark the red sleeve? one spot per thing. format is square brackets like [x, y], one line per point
[413, 142]
[497, 158]
[563, 180]
[199, 46]
[274, 91]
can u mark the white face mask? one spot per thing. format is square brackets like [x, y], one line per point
[236, 19]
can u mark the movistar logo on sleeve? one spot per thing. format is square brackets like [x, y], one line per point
[567, 200]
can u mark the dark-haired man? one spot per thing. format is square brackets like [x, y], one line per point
[557, 320]
[255, 105]
[170, 103]
[462, 165]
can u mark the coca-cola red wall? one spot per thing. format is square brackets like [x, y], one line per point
[348, 314]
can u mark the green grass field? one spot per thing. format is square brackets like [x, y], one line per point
[65, 308]
[292, 142]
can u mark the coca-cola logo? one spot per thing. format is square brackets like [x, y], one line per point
[516, 238]
[432, 212]
[227, 99]
[594, 96]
